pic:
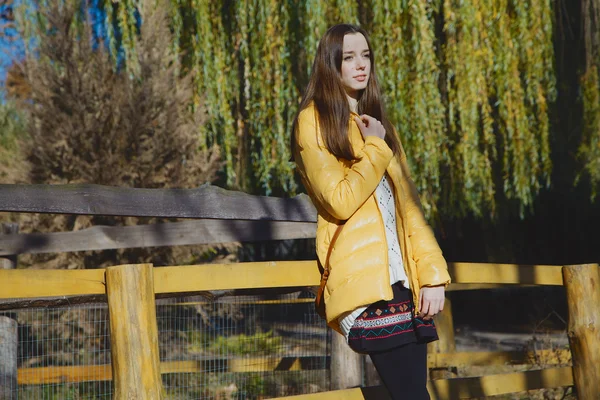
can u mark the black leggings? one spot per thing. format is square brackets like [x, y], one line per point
[403, 371]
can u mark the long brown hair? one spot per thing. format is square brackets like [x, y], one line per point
[326, 90]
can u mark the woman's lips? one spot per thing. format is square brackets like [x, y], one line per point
[360, 78]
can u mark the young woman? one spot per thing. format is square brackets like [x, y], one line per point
[387, 273]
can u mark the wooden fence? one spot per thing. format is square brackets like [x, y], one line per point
[132, 289]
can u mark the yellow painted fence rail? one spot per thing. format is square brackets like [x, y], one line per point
[85, 373]
[30, 283]
[131, 290]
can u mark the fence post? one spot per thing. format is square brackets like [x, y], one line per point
[582, 283]
[444, 324]
[9, 339]
[8, 358]
[346, 365]
[133, 332]
[8, 228]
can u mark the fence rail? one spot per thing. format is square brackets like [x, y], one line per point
[130, 290]
[206, 201]
[182, 279]
[83, 373]
[32, 283]
[154, 235]
[464, 388]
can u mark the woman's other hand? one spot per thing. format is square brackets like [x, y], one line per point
[369, 126]
[431, 301]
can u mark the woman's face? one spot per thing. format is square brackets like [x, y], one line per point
[356, 64]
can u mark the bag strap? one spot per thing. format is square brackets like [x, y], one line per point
[319, 301]
[333, 240]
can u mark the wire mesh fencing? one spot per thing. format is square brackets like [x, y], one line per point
[62, 353]
[236, 347]
[242, 347]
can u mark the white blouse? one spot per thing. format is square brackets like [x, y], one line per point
[387, 207]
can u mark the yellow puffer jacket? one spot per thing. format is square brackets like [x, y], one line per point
[343, 193]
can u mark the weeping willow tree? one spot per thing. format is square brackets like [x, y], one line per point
[467, 84]
[589, 150]
[498, 60]
[470, 103]
[245, 72]
[319, 15]
[403, 37]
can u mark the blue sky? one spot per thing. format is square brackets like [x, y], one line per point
[11, 48]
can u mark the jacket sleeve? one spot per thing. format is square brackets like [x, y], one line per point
[431, 265]
[338, 190]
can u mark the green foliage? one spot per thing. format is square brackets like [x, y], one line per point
[257, 344]
[269, 90]
[126, 26]
[469, 63]
[589, 149]
[254, 387]
[318, 15]
[58, 392]
[469, 101]
[342, 11]
[13, 134]
[245, 81]
[467, 84]
[67, 391]
[12, 126]
[197, 341]
[403, 40]
[260, 343]
[215, 79]
[315, 27]
[499, 63]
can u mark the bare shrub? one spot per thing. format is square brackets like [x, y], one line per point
[92, 122]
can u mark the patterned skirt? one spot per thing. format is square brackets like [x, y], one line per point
[388, 324]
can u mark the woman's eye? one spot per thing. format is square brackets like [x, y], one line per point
[347, 58]
[367, 55]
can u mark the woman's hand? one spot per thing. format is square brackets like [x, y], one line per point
[369, 126]
[431, 301]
